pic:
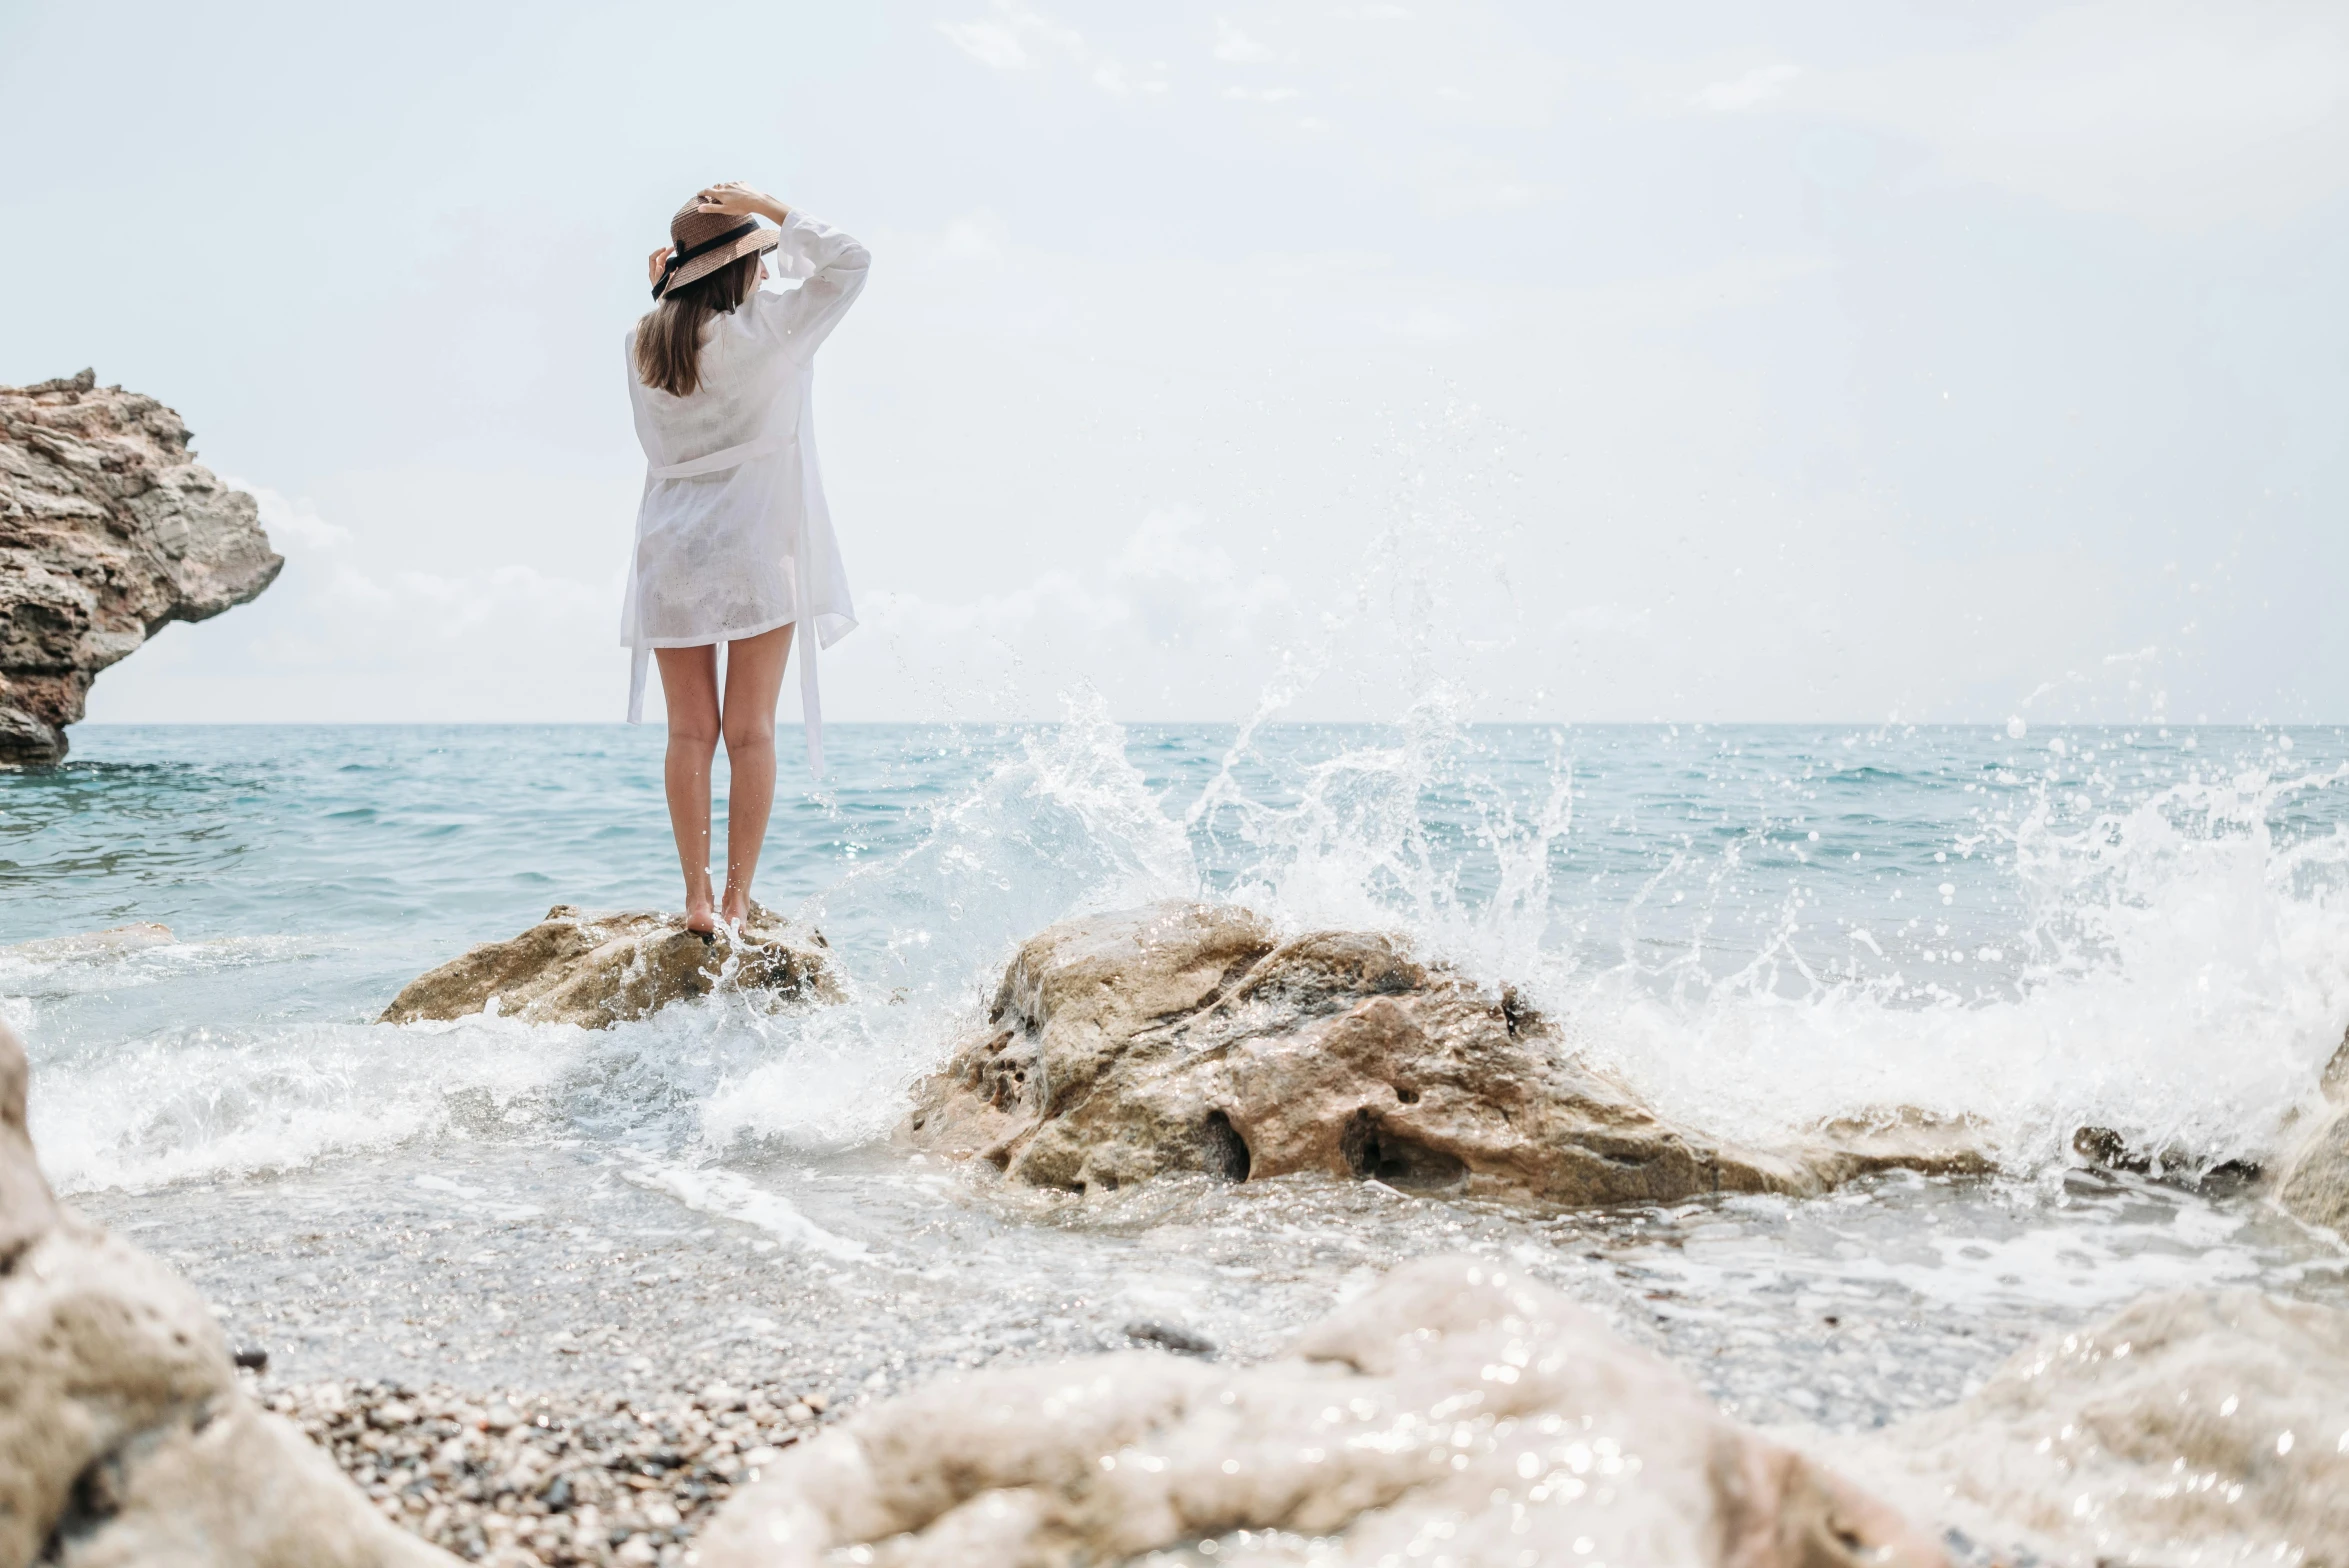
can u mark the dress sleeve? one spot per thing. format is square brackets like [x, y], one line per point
[834, 267]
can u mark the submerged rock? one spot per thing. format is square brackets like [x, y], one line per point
[109, 529]
[2196, 1426]
[596, 970]
[112, 942]
[124, 1437]
[1450, 1408]
[1187, 1037]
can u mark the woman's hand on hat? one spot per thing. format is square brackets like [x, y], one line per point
[737, 200]
[653, 265]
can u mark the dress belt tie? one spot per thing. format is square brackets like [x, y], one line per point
[715, 462]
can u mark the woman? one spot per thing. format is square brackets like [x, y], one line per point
[733, 543]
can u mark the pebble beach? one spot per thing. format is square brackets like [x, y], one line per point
[515, 1479]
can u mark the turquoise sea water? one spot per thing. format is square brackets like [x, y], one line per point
[1758, 926]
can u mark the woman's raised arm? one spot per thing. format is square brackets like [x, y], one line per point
[833, 265]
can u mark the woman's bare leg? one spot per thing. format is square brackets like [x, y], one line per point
[689, 688]
[754, 680]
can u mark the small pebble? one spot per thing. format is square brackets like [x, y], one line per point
[517, 1480]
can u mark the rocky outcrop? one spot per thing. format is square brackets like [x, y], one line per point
[597, 970]
[2198, 1426]
[124, 1438]
[1187, 1037]
[109, 529]
[1450, 1410]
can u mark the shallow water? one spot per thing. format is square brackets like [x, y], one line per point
[1758, 926]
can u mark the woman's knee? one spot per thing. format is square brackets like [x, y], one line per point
[694, 731]
[749, 733]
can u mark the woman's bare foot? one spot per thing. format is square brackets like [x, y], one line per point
[700, 917]
[737, 906]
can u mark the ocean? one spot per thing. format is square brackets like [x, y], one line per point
[2136, 928]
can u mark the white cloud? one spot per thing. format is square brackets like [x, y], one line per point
[2183, 112]
[345, 634]
[1158, 626]
[290, 524]
[1235, 47]
[991, 43]
[1020, 38]
[978, 238]
[1427, 326]
[1016, 38]
[1455, 180]
[1757, 86]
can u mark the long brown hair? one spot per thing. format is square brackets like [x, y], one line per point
[668, 339]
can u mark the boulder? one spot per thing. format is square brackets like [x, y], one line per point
[109, 529]
[27, 1211]
[1189, 1037]
[124, 1437]
[597, 970]
[2310, 1175]
[2193, 1426]
[1452, 1410]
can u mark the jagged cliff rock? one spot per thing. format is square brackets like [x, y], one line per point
[109, 529]
[124, 1438]
[1190, 1037]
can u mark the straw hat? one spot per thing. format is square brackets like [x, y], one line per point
[705, 241]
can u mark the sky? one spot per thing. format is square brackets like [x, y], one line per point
[1808, 362]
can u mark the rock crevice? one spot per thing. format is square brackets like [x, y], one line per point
[109, 530]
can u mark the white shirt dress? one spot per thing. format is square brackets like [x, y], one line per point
[732, 537]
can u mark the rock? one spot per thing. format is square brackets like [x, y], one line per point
[109, 943]
[1187, 1037]
[2306, 1172]
[2173, 1164]
[1450, 1407]
[2195, 1426]
[124, 1437]
[109, 529]
[1169, 1336]
[596, 970]
[27, 1211]
[2310, 1176]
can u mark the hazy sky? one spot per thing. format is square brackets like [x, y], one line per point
[1948, 361]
